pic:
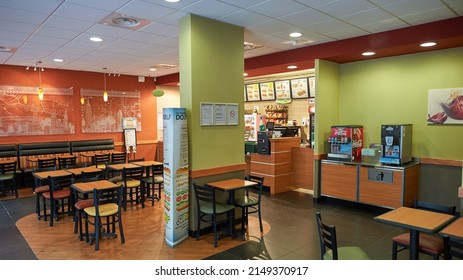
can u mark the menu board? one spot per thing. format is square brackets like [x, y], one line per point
[299, 88]
[312, 86]
[267, 91]
[282, 89]
[252, 91]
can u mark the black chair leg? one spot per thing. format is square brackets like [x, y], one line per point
[394, 250]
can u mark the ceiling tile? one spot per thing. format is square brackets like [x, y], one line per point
[305, 17]
[277, 8]
[342, 8]
[145, 10]
[211, 9]
[244, 18]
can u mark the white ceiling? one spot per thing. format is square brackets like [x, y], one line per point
[41, 30]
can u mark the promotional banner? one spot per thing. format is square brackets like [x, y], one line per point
[176, 194]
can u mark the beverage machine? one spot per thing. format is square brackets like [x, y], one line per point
[396, 144]
[346, 143]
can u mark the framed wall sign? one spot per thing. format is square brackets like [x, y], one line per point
[267, 91]
[232, 114]
[282, 89]
[207, 114]
[299, 88]
[252, 92]
[220, 114]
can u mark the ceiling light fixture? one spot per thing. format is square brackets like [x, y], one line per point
[96, 39]
[58, 60]
[153, 69]
[5, 49]
[40, 90]
[368, 53]
[295, 35]
[172, 1]
[428, 44]
[292, 67]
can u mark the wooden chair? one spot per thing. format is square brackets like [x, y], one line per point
[208, 206]
[45, 163]
[453, 248]
[67, 162]
[431, 245]
[251, 204]
[119, 157]
[132, 182]
[329, 249]
[40, 187]
[82, 202]
[59, 194]
[136, 159]
[153, 182]
[105, 214]
[101, 160]
[8, 178]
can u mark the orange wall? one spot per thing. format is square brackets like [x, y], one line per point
[53, 78]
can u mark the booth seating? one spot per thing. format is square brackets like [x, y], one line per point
[28, 153]
[8, 152]
[90, 146]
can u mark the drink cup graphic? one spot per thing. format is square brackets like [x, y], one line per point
[389, 140]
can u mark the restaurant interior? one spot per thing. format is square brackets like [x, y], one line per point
[104, 101]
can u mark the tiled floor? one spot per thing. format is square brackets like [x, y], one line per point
[293, 233]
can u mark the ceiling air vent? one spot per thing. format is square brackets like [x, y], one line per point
[250, 46]
[164, 66]
[124, 21]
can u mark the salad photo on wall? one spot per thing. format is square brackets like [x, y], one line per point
[445, 106]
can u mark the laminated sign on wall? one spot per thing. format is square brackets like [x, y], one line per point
[175, 175]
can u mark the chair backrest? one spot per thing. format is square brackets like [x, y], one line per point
[132, 173]
[107, 195]
[453, 248]
[136, 159]
[59, 183]
[257, 179]
[91, 176]
[119, 157]
[46, 163]
[418, 204]
[67, 162]
[8, 167]
[101, 159]
[204, 194]
[327, 235]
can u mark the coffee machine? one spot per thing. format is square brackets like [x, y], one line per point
[396, 144]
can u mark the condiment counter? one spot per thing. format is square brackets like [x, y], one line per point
[373, 184]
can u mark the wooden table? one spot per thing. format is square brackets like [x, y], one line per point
[54, 173]
[119, 166]
[147, 163]
[416, 220]
[87, 187]
[454, 230]
[78, 171]
[230, 185]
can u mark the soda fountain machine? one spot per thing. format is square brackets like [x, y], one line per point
[346, 143]
[396, 144]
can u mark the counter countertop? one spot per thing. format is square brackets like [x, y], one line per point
[373, 165]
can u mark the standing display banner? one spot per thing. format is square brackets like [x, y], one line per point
[175, 130]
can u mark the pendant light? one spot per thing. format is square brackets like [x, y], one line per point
[105, 93]
[40, 90]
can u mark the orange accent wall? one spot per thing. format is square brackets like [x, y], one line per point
[54, 78]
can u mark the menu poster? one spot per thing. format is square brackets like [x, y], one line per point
[282, 89]
[312, 86]
[245, 94]
[253, 93]
[267, 91]
[299, 88]
[220, 114]
[176, 184]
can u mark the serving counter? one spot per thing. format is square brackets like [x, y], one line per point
[277, 167]
[373, 184]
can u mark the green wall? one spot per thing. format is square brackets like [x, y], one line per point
[211, 70]
[395, 90]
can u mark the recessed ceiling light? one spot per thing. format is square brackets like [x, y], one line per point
[295, 35]
[245, 74]
[58, 60]
[4, 49]
[153, 69]
[368, 53]
[172, 1]
[96, 39]
[292, 67]
[428, 44]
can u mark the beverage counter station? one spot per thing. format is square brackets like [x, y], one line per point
[374, 184]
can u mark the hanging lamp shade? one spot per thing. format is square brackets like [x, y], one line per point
[158, 92]
[40, 93]
[105, 96]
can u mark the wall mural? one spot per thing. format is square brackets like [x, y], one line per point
[100, 116]
[22, 113]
